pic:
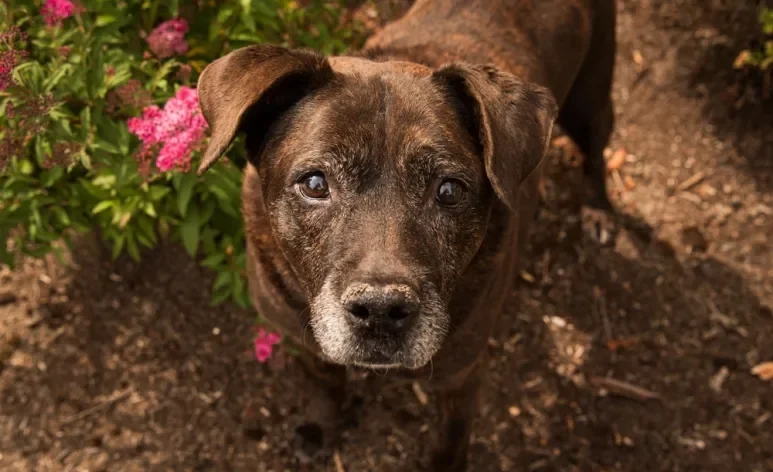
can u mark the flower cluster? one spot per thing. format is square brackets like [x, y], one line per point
[54, 11]
[10, 57]
[177, 129]
[264, 344]
[168, 39]
[131, 96]
[62, 155]
[31, 118]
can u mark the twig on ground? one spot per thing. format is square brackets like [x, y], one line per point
[691, 181]
[97, 407]
[624, 389]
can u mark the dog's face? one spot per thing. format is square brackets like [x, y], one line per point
[378, 179]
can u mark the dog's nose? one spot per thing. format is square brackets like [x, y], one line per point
[388, 305]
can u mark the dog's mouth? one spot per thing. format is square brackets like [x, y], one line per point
[408, 344]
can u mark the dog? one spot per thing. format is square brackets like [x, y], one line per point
[388, 194]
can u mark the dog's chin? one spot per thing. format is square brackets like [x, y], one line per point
[342, 343]
[360, 350]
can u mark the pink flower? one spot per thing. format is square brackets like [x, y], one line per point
[168, 39]
[54, 11]
[264, 345]
[177, 129]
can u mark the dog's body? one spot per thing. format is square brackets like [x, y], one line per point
[449, 273]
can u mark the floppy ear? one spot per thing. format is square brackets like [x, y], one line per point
[256, 82]
[512, 120]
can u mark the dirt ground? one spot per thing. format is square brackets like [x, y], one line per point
[126, 367]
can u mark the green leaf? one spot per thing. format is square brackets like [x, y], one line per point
[103, 145]
[213, 260]
[104, 20]
[56, 77]
[184, 193]
[158, 192]
[51, 177]
[238, 286]
[247, 16]
[131, 247]
[85, 117]
[62, 216]
[162, 72]
[220, 297]
[189, 230]
[118, 246]
[102, 206]
[95, 74]
[222, 280]
[150, 210]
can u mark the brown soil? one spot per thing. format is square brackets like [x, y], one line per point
[125, 366]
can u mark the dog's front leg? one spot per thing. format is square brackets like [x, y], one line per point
[323, 421]
[449, 441]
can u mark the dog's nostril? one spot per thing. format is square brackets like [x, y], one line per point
[398, 313]
[359, 311]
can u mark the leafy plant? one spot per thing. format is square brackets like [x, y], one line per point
[73, 75]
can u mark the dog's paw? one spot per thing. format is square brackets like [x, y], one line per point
[312, 443]
[599, 225]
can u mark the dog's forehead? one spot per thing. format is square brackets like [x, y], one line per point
[378, 114]
[390, 101]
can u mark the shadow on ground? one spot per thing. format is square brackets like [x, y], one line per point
[706, 36]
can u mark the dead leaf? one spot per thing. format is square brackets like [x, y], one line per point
[764, 371]
[571, 151]
[617, 160]
[742, 59]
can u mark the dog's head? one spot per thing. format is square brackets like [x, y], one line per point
[378, 179]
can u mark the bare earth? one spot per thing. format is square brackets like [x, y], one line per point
[125, 367]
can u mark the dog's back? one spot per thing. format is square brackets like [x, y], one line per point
[545, 41]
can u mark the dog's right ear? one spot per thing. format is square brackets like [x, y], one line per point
[261, 81]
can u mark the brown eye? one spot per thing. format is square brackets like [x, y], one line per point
[314, 186]
[450, 192]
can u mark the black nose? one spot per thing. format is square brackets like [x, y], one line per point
[387, 305]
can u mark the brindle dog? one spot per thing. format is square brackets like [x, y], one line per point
[388, 194]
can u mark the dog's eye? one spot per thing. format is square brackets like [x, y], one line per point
[314, 186]
[450, 192]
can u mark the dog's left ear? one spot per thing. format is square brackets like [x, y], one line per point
[511, 119]
[250, 88]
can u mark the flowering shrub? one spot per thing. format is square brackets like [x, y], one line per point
[100, 126]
